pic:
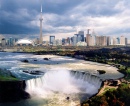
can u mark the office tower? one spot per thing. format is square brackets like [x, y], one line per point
[122, 40]
[41, 19]
[81, 34]
[93, 39]
[88, 38]
[63, 41]
[104, 40]
[68, 41]
[74, 38]
[126, 41]
[11, 41]
[111, 40]
[114, 40]
[117, 41]
[101, 40]
[52, 38]
[98, 40]
[78, 37]
[108, 41]
[3, 42]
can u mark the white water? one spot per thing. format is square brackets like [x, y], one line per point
[56, 85]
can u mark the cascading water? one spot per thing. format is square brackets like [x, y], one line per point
[63, 83]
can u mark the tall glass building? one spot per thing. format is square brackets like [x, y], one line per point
[52, 39]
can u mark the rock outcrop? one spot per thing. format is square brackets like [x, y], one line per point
[13, 91]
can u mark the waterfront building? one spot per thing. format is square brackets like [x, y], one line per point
[126, 41]
[52, 38]
[122, 40]
[63, 41]
[108, 40]
[11, 41]
[81, 34]
[101, 40]
[93, 39]
[24, 42]
[114, 41]
[117, 41]
[74, 38]
[88, 38]
[3, 42]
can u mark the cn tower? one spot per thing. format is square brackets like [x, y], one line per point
[41, 19]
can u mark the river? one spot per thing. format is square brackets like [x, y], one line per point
[60, 77]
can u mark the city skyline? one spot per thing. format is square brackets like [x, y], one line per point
[63, 18]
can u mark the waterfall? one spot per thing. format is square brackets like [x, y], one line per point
[87, 77]
[64, 81]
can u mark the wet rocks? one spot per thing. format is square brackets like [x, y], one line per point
[13, 91]
[25, 61]
[46, 58]
[101, 71]
[34, 72]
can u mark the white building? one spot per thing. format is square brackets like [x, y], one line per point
[24, 42]
[122, 40]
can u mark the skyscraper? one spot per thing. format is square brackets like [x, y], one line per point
[93, 37]
[52, 39]
[41, 19]
[88, 38]
[101, 40]
[122, 40]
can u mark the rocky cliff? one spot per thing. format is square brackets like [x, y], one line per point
[13, 91]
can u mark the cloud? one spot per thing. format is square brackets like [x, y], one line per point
[62, 17]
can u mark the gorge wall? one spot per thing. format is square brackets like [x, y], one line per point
[12, 91]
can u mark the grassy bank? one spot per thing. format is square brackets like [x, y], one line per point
[7, 78]
[5, 75]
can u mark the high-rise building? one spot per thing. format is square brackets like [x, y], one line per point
[52, 39]
[3, 42]
[122, 40]
[101, 40]
[41, 19]
[88, 38]
[81, 32]
[11, 41]
[126, 41]
[74, 38]
[117, 41]
[93, 38]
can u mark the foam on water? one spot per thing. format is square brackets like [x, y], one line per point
[60, 83]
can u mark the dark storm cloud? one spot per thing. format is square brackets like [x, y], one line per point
[22, 16]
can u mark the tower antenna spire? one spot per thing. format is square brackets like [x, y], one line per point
[41, 19]
[41, 8]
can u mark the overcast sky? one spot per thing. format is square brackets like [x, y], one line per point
[63, 17]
